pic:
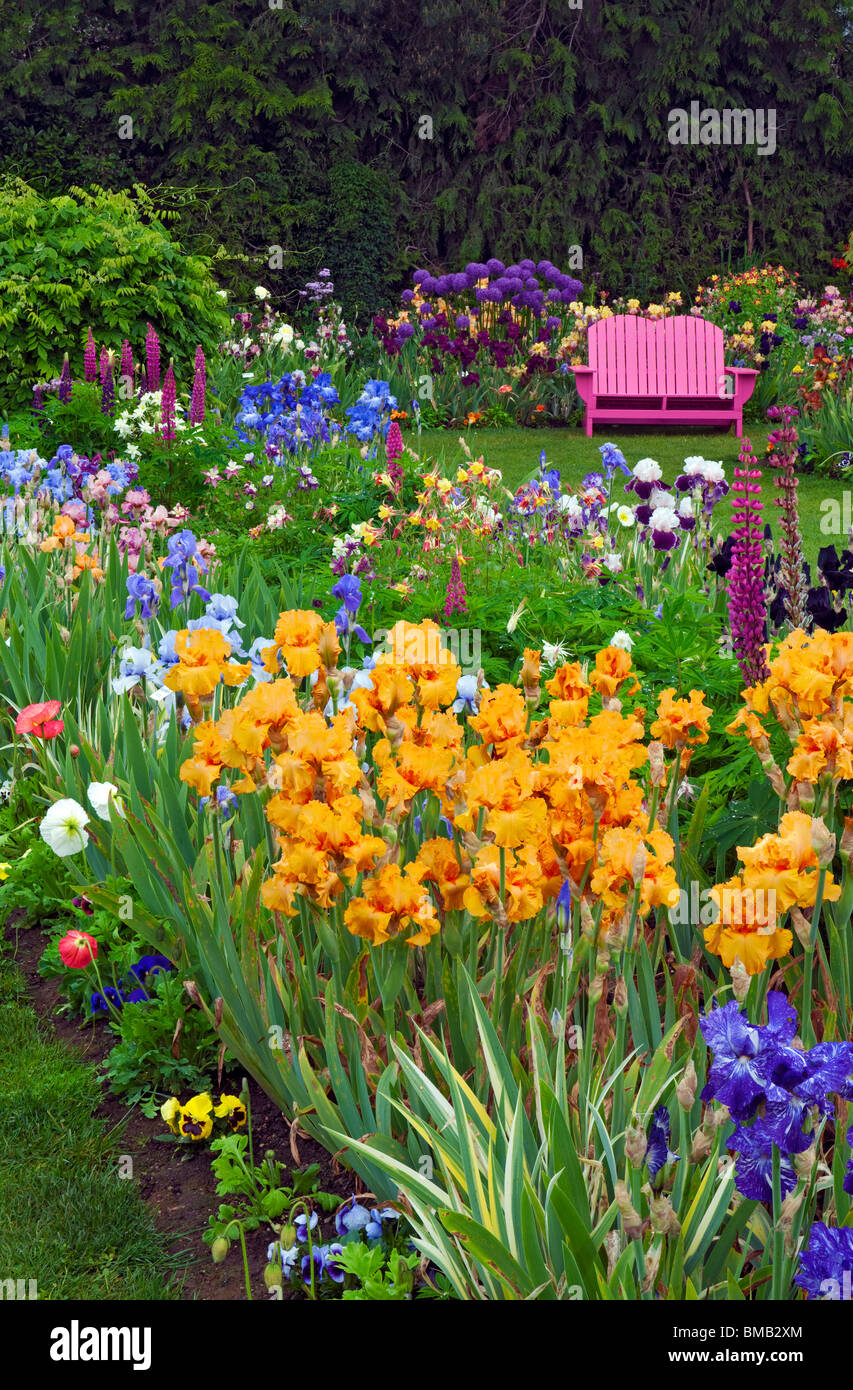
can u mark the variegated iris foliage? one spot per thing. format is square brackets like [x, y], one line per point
[447, 935]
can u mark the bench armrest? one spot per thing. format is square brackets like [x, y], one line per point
[585, 383]
[744, 383]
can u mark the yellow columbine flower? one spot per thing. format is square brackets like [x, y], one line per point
[461, 476]
[385, 512]
[430, 479]
[445, 486]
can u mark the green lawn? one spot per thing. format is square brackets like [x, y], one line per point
[516, 453]
[67, 1220]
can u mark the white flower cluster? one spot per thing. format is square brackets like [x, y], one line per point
[648, 471]
[707, 470]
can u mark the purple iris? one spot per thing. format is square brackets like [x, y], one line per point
[564, 904]
[658, 1152]
[754, 1163]
[141, 591]
[184, 560]
[826, 1266]
[740, 1075]
[348, 589]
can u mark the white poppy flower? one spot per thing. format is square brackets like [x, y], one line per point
[99, 795]
[64, 827]
[622, 639]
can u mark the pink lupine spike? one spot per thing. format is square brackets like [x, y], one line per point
[167, 405]
[746, 604]
[90, 359]
[197, 404]
[152, 359]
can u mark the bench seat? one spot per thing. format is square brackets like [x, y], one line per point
[661, 371]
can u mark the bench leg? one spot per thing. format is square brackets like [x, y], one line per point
[587, 423]
[738, 427]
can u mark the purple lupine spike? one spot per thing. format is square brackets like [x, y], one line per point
[791, 545]
[108, 390]
[90, 359]
[152, 359]
[167, 405]
[746, 604]
[38, 398]
[455, 600]
[65, 381]
[199, 388]
[393, 442]
[104, 365]
[126, 369]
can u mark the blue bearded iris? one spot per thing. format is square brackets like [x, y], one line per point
[658, 1152]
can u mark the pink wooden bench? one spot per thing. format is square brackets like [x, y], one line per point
[661, 371]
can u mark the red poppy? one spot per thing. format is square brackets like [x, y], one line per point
[77, 949]
[40, 720]
[839, 264]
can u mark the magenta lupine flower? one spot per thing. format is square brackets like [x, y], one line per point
[104, 364]
[167, 404]
[784, 457]
[455, 600]
[394, 442]
[90, 359]
[747, 611]
[64, 392]
[199, 387]
[126, 369]
[152, 359]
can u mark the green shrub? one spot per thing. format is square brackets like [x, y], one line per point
[93, 258]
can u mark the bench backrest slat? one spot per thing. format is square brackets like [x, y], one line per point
[633, 356]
